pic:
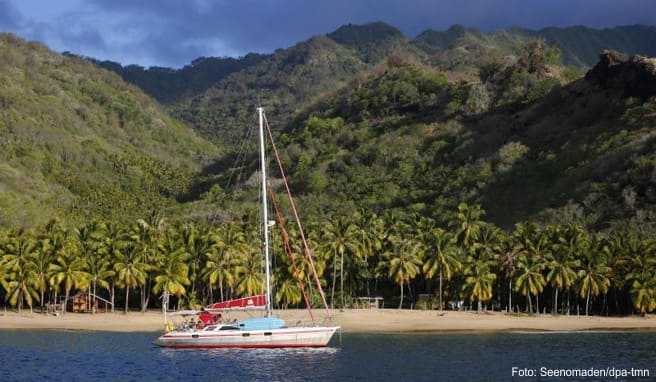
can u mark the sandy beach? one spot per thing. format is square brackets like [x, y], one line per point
[387, 320]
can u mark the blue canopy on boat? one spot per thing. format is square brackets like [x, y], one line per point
[261, 323]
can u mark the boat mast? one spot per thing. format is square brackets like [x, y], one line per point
[265, 217]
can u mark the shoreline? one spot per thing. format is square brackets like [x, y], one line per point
[351, 321]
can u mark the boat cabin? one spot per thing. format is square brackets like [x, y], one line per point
[216, 328]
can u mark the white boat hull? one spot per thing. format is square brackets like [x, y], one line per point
[272, 338]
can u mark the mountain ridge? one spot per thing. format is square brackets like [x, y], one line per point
[580, 46]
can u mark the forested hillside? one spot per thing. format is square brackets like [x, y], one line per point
[282, 83]
[527, 141]
[78, 142]
[465, 115]
[168, 85]
[479, 160]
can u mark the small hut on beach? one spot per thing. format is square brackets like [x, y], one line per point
[85, 302]
[370, 303]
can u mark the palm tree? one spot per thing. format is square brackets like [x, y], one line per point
[509, 253]
[561, 275]
[403, 262]
[288, 293]
[198, 245]
[228, 243]
[479, 280]
[530, 280]
[130, 269]
[443, 258]
[18, 250]
[87, 240]
[533, 243]
[18, 254]
[52, 241]
[70, 270]
[468, 223]
[113, 242]
[91, 242]
[250, 272]
[643, 291]
[593, 274]
[340, 236]
[367, 244]
[144, 236]
[44, 255]
[562, 263]
[172, 272]
[100, 271]
[22, 286]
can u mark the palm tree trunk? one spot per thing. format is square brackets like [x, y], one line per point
[42, 293]
[537, 303]
[441, 304]
[127, 295]
[192, 278]
[401, 302]
[555, 311]
[68, 291]
[509, 296]
[92, 292]
[221, 288]
[144, 308]
[211, 295]
[332, 294]
[587, 302]
[112, 293]
[568, 304]
[341, 278]
[142, 296]
[165, 300]
[530, 306]
[479, 307]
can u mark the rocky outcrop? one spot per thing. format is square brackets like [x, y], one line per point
[635, 76]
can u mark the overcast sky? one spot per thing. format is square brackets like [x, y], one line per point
[174, 32]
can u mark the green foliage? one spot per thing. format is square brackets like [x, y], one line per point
[391, 147]
[578, 46]
[282, 83]
[170, 85]
[359, 254]
[77, 142]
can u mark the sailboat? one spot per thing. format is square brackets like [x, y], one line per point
[259, 332]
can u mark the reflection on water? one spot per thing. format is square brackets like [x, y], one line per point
[259, 363]
[85, 356]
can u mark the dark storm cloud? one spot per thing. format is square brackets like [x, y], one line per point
[173, 32]
[264, 25]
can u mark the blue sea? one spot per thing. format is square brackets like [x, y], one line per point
[44, 355]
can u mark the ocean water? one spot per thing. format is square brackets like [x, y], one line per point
[30, 355]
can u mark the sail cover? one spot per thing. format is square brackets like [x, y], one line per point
[246, 303]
